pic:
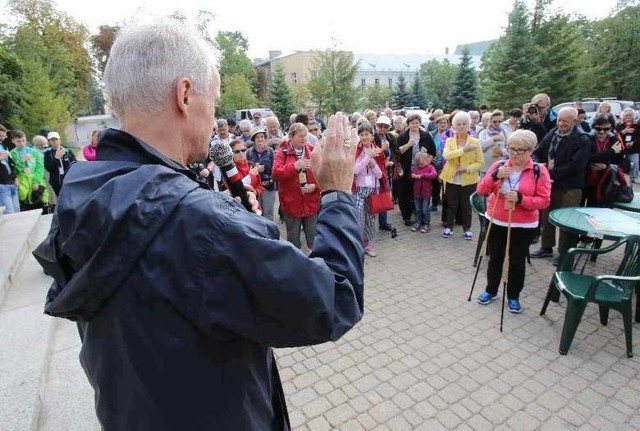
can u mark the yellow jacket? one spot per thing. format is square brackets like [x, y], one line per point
[456, 158]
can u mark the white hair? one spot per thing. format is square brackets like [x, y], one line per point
[461, 116]
[568, 110]
[246, 123]
[147, 60]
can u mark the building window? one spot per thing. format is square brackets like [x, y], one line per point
[376, 82]
[363, 83]
[390, 82]
[294, 77]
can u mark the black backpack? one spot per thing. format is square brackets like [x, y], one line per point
[613, 187]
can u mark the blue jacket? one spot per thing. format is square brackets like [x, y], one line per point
[181, 293]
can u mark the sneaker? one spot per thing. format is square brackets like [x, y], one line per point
[415, 227]
[447, 233]
[513, 305]
[542, 252]
[485, 298]
[423, 229]
[369, 251]
[468, 235]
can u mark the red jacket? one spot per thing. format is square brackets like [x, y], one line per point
[536, 194]
[294, 203]
[244, 169]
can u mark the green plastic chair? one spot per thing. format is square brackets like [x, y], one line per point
[608, 291]
[479, 205]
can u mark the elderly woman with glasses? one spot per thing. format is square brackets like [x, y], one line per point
[518, 189]
[606, 150]
[297, 189]
[250, 172]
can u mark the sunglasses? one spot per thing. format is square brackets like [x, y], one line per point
[244, 150]
[602, 129]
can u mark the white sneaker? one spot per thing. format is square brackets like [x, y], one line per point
[447, 233]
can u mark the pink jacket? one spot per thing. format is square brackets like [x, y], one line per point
[534, 194]
[364, 175]
[422, 187]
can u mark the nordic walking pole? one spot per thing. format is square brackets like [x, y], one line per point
[505, 265]
[483, 249]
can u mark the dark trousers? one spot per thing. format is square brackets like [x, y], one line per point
[405, 197]
[458, 197]
[518, 248]
[559, 199]
[436, 189]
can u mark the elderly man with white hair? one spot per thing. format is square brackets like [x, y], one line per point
[179, 291]
[566, 151]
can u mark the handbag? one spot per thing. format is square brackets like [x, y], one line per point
[380, 202]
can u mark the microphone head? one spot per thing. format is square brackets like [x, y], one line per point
[221, 154]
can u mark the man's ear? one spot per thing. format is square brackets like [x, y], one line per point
[184, 93]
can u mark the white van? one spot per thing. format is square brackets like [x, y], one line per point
[241, 114]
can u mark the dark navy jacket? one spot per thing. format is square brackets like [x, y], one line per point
[182, 293]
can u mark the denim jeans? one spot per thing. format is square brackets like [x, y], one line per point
[423, 211]
[9, 198]
[635, 169]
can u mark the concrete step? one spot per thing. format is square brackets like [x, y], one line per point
[17, 236]
[24, 330]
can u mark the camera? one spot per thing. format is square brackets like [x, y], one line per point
[532, 110]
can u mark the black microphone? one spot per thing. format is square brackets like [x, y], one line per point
[221, 155]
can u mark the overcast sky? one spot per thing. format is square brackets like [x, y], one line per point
[405, 27]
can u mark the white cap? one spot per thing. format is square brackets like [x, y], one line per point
[53, 135]
[383, 119]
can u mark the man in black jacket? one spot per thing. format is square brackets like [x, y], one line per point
[566, 151]
[57, 161]
[179, 291]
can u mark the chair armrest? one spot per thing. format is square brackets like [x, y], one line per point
[593, 287]
[596, 251]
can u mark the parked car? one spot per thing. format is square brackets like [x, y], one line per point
[247, 113]
[590, 105]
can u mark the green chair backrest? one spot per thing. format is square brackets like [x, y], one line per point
[630, 265]
[478, 203]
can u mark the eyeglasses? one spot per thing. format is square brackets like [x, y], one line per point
[244, 150]
[602, 129]
[245, 131]
[313, 130]
[384, 126]
[518, 151]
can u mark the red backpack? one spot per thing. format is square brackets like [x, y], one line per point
[613, 187]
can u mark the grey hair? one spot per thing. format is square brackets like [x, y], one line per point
[246, 123]
[147, 60]
[221, 123]
[526, 137]
[474, 114]
[573, 112]
[461, 116]
[39, 139]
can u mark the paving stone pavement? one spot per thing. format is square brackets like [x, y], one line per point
[423, 358]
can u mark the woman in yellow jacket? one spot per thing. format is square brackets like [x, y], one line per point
[463, 160]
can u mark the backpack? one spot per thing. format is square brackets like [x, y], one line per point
[613, 187]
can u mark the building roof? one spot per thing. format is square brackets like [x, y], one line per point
[475, 48]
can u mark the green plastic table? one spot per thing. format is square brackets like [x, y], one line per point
[633, 206]
[573, 220]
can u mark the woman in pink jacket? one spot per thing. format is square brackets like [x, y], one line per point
[523, 188]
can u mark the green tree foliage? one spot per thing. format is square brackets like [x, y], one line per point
[418, 96]
[280, 95]
[10, 77]
[236, 94]
[401, 95]
[331, 82]
[438, 77]
[614, 50]
[301, 96]
[101, 44]
[510, 69]
[39, 106]
[233, 48]
[464, 91]
[377, 95]
[57, 42]
[261, 87]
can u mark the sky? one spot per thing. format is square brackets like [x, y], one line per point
[409, 27]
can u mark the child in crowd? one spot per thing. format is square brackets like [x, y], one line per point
[367, 181]
[423, 174]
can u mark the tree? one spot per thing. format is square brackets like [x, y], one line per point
[418, 97]
[280, 95]
[10, 97]
[331, 82]
[261, 87]
[237, 94]
[301, 96]
[102, 43]
[376, 95]
[233, 48]
[401, 96]
[464, 91]
[39, 105]
[510, 69]
[438, 77]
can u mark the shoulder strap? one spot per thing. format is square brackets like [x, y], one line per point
[536, 171]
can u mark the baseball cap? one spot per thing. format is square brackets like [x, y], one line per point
[52, 135]
[383, 119]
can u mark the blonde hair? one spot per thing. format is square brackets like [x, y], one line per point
[297, 128]
[39, 139]
[526, 137]
[422, 155]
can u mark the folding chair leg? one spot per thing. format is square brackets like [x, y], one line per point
[604, 314]
[479, 248]
[572, 318]
[628, 328]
